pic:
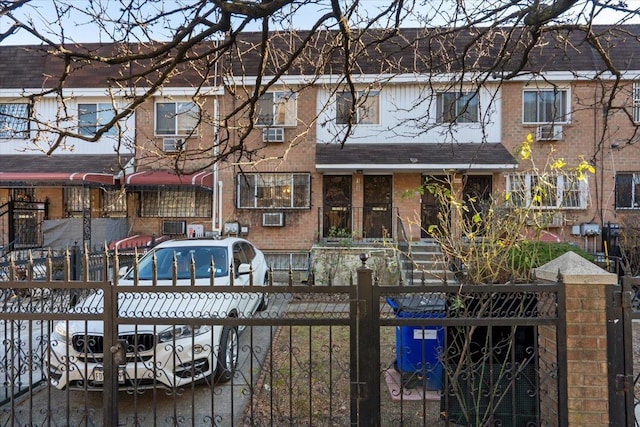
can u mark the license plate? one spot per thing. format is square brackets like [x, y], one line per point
[98, 375]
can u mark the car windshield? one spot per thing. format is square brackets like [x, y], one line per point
[202, 256]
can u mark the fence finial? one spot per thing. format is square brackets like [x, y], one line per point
[364, 257]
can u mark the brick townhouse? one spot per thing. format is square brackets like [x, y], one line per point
[418, 115]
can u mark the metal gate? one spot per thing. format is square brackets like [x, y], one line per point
[623, 311]
[319, 355]
[23, 220]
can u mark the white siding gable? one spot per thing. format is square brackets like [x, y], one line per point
[408, 114]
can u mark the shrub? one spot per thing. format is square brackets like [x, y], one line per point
[530, 254]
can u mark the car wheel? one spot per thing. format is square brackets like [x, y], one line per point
[264, 299]
[227, 354]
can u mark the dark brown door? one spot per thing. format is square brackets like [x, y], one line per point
[336, 206]
[477, 195]
[377, 212]
[430, 205]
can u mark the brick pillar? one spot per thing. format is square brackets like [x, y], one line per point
[587, 385]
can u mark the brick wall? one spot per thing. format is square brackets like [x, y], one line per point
[295, 154]
[587, 376]
[584, 137]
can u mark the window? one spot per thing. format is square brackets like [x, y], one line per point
[367, 107]
[176, 118]
[181, 203]
[628, 190]
[76, 200]
[14, 120]
[274, 190]
[23, 194]
[547, 191]
[277, 109]
[636, 102]
[545, 106]
[456, 107]
[93, 116]
[114, 203]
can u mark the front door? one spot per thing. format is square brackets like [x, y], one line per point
[336, 206]
[431, 205]
[477, 194]
[377, 212]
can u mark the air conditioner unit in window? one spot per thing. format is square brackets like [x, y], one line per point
[174, 227]
[273, 219]
[549, 133]
[273, 135]
[172, 145]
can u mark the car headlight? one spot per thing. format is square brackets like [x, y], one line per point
[60, 332]
[179, 332]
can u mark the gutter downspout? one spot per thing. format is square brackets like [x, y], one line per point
[216, 199]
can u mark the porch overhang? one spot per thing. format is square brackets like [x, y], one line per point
[74, 178]
[413, 157]
[61, 170]
[159, 178]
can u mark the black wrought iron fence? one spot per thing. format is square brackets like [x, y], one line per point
[358, 353]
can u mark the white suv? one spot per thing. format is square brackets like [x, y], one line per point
[166, 355]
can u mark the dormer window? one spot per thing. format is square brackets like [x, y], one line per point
[277, 109]
[176, 118]
[367, 107]
[545, 106]
[457, 107]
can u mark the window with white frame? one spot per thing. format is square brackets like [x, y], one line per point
[636, 102]
[274, 190]
[628, 190]
[277, 109]
[547, 191]
[92, 116]
[14, 120]
[178, 202]
[545, 106]
[76, 200]
[367, 107]
[457, 107]
[176, 118]
[114, 203]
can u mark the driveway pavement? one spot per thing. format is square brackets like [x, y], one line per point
[198, 405]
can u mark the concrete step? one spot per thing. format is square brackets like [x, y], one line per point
[429, 264]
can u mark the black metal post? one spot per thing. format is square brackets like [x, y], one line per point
[365, 349]
[76, 262]
[110, 364]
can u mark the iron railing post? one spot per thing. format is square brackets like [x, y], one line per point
[110, 390]
[365, 349]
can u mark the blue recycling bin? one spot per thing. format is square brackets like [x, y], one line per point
[418, 348]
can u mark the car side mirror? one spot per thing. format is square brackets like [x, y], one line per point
[243, 269]
[122, 271]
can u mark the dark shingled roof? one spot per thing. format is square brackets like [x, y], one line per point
[378, 51]
[68, 163]
[41, 67]
[414, 156]
[443, 50]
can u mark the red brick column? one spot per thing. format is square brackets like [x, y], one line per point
[586, 337]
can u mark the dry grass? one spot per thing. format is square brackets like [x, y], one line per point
[306, 381]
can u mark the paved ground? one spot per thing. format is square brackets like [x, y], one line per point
[200, 405]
